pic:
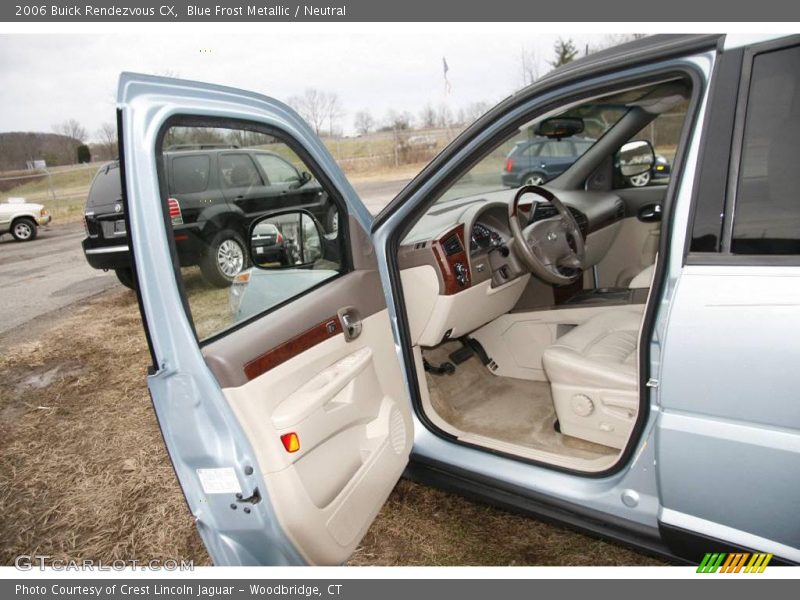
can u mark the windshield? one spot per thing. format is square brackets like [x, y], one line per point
[526, 158]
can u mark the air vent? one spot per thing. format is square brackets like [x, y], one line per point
[452, 245]
[583, 222]
[420, 245]
[620, 213]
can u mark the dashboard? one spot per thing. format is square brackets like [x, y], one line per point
[459, 263]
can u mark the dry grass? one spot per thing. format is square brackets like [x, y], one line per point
[83, 470]
[84, 473]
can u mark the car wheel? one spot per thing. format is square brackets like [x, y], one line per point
[332, 219]
[224, 259]
[535, 179]
[125, 277]
[24, 229]
[640, 180]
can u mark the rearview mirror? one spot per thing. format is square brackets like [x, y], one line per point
[560, 127]
[286, 240]
[636, 158]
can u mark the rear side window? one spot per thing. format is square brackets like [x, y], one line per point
[238, 170]
[767, 211]
[190, 174]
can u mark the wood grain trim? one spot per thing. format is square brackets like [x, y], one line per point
[291, 348]
[447, 263]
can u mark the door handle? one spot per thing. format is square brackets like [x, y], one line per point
[650, 213]
[351, 323]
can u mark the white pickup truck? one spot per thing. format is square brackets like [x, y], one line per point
[22, 219]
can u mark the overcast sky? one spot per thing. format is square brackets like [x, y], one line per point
[46, 79]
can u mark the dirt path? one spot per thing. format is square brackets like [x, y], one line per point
[84, 473]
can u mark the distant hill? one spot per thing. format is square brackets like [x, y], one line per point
[18, 147]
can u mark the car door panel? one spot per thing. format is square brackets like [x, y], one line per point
[342, 395]
[354, 437]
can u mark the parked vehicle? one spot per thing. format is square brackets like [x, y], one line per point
[617, 358]
[214, 194]
[22, 219]
[537, 161]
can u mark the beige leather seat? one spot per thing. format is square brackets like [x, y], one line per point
[593, 377]
[644, 278]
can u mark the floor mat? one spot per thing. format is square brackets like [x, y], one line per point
[511, 410]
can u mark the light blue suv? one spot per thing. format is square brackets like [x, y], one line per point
[620, 359]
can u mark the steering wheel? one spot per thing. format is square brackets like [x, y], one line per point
[553, 249]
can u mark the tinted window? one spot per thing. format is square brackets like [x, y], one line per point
[190, 174]
[106, 187]
[767, 213]
[238, 170]
[277, 169]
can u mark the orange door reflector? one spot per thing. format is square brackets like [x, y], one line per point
[291, 442]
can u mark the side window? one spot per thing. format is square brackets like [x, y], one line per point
[190, 174]
[242, 254]
[277, 170]
[766, 217]
[238, 170]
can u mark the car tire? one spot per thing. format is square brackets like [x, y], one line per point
[534, 179]
[125, 277]
[223, 259]
[640, 180]
[24, 229]
[332, 219]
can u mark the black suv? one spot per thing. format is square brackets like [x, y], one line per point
[214, 195]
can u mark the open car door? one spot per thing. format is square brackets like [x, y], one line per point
[280, 397]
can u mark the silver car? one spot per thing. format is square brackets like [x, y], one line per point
[621, 359]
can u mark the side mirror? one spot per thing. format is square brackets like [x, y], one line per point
[560, 127]
[285, 240]
[303, 178]
[635, 158]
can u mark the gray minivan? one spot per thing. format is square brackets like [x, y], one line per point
[621, 359]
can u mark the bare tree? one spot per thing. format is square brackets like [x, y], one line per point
[473, 111]
[71, 129]
[317, 107]
[427, 116]
[334, 111]
[364, 122]
[73, 134]
[398, 121]
[529, 65]
[444, 116]
[107, 134]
